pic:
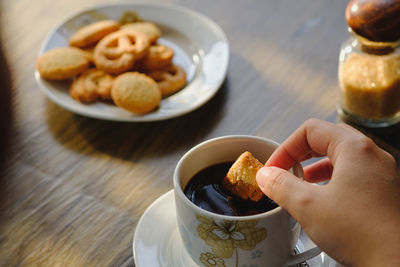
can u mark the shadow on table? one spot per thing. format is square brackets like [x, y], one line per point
[130, 140]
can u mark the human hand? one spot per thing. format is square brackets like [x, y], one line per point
[355, 218]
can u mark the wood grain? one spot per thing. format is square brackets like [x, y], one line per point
[74, 188]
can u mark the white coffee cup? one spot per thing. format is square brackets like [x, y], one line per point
[266, 239]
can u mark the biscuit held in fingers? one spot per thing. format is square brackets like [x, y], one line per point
[62, 63]
[117, 52]
[170, 80]
[241, 178]
[92, 33]
[136, 92]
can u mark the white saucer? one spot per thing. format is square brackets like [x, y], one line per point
[157, 242]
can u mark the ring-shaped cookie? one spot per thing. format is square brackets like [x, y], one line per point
[158, 57]
[148, 28]
[117, 52]
[169, 80]
[91, 86]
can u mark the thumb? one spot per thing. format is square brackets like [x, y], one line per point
[289, 191]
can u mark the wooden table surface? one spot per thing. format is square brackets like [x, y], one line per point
[74, 188]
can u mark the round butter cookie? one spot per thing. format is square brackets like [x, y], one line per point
[117, 52]
[92, 33]
[148, 28]
[91, 86]
[170, 79]
[62, 63]
[136, 92]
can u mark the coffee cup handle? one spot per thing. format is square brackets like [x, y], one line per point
[303, 256]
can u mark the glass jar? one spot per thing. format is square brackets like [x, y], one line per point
[369, 78]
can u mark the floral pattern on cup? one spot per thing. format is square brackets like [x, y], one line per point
[225, 237]
[211, 260]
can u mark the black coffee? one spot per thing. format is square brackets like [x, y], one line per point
[205, 190]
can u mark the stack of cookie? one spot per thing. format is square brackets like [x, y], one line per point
[122, 63]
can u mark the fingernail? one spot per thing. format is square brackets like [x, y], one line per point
[262, 174]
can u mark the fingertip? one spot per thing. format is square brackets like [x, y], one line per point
[285, 188]
[262, 175]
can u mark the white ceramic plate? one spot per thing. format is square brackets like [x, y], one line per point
[200, 46]
[157, 242]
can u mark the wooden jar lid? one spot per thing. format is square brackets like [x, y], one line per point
[376, 20]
